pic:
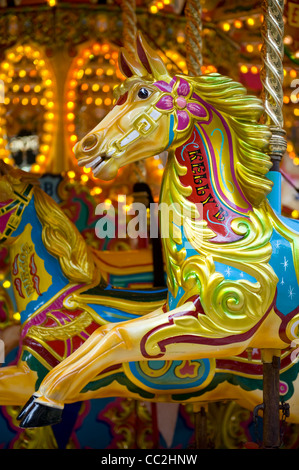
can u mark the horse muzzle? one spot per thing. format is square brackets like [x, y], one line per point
[87, 148]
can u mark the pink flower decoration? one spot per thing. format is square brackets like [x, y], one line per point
[179, 98]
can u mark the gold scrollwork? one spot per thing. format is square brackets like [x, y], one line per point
[292, 329]
[61, 332]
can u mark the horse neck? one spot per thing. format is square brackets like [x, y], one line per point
[201, 172]
[34, 271]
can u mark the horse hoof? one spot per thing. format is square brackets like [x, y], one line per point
[38, 415]
[26, 408]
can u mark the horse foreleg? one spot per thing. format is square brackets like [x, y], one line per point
[105, 347]
[159, 335]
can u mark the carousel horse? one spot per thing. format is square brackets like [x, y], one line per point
[67, 305]
[51, 267]
[231, 259]
[62, 298]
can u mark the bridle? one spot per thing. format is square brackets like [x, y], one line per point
[142, 126]
[16, 207]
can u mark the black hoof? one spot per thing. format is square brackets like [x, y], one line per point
[28, 405]
[38, 415]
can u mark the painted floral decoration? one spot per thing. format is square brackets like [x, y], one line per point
[179, 97]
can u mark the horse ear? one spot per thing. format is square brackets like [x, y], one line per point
[129, 66]
[150, 59]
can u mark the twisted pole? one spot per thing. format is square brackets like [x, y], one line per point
[129, 20]
[193, 32]
[272, 76]
[272, 79]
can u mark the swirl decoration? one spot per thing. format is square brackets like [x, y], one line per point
[232, 306]
[129, 26]
[272, 57]
[193, 31]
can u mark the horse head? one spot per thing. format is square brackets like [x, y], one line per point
[153, 112]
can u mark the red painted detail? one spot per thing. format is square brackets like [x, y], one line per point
[41, 351]
[122, 99]
[193, 156]
[165, 308]
[251, 445]
[35, 280]
[187, 369]
[92, 327]
[50, 323]
[15, 268]
[77, 341]
[58, 346]
[250, 368]
[255, 354]
[18, 286]
[32, 265]
[5, 203]
[110, 369]
[33, 271]
[237, 366]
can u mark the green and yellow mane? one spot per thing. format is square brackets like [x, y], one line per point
[242, 113]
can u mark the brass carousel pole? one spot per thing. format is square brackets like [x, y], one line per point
[272, 80]
[272, 77]
[193, 31]
[129, 20]
[194, 60]
[201, 425]
[129, 25]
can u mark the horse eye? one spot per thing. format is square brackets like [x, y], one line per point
[143, 93]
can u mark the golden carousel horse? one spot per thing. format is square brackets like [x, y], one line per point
[231, 259]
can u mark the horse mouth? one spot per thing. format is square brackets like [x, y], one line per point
[97, 164]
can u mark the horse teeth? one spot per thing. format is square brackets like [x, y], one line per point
[94, 162]
[97, 168]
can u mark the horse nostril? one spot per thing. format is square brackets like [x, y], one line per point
[89, 142]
